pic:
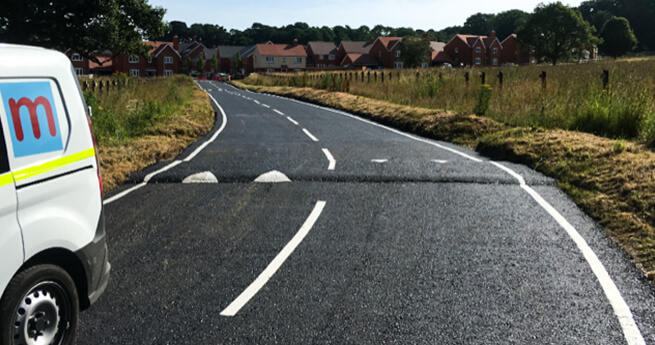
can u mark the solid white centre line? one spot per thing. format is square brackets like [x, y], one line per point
[266, 106]
[621, 309]
[270, 270]
[292, 121]
[279, 112]
[309, 134]
[440, 161]
[379, 160]
[333, 162]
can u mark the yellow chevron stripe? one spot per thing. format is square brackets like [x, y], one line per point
[53, 165]
[6, 179]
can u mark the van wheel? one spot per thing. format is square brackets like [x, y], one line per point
[39, 306]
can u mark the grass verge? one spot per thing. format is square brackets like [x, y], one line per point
[145, 122]
[611, 180]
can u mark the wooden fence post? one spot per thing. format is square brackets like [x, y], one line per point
[483, 78]
[382, 77]
[369, 76]
[375, 76]
[544, 82]
[466, 77]
[500, 79]
[390, 76]
[606, 79]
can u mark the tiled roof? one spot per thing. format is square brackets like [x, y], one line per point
[440, 56]
[187, 47]
[359, 47]
[361, 59]
[104, 59]
[158, 47]
[437, 46]
[210, 53]
[323, 48]
[389, 42]
[270, 49]
[230, 51]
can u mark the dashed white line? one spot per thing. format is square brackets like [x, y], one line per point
[270, 270]
[256, 101]
[309, 134]
[331, 160]
[293, 121]
[621, 309]
[266, 106]
[279, 112]
[440, 161]
[379, 160]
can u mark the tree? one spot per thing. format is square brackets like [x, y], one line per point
[414, 51]
[87, 27]
[214, 62]
[618, 37]
[556, 31]
[508, 22]
[238, 62]
[189, 64]
[479, 24]
[445, 35]
[201, 63]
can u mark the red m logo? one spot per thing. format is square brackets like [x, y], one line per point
[31, 108]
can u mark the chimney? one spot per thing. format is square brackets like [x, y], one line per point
[295, 42]
[176, 43]
[492, 34]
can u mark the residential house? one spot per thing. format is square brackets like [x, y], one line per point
[386, 51]
[473, 50]
[270, 57]
[322, 54]
[86, 66]
[191, 49]
[163, 60]
[228, 56]
[356, 60]
[515, 52]
[361, 48]
[438, 56]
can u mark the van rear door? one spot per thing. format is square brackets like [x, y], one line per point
[11, 242]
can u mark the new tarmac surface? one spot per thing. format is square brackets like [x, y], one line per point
[379, 237]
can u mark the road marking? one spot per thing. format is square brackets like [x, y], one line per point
[256, 101]
[621, 309]
[272, 177]
[202, 177]
[201, 147]
[266, 106]
[440, 161]
[309, 134]
[379, 160]
[142, 184]
[292, 121]
[270, 270]
[333, 162]
[279, 112]
[209, 90]
[426, 141]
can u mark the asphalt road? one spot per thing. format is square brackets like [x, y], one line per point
[379, 238]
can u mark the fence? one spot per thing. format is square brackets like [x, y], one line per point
[103, 84]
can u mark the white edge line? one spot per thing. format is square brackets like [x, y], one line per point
[621, 309]
[330, 159]
[309, 134]
[277, 262]
[292, 121]
[426, 141]
[279, 112]
[142, 184]
[201, 147]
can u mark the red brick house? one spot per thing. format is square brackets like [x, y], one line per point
[322, 55]
[473, 50]
[385, 50]
[228, 54]
[163, 60]
[85, 66]
[515, 52]
[362, 50]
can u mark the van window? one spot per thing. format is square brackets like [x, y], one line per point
[4, 162]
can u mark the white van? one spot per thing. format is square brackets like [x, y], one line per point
[53, 254]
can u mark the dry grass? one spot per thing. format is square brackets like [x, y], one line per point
[613, 181]
[170, 129]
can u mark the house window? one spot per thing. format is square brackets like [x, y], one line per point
[477, 61]
[168, 59]
[150, 59]
[397, 53]
[76, 57]
[134, 73]
[424, 65]
[270, 59]
[297, 59]
[398, 65]
[134, 59]
[270, 70]
[331, 57]
[168, 72]
[150, 73]
[495, 51]
[380, 53]
[284, 60]
[321, 57]
[478, 50]
[495, 62]
[456, 50]
[320, 65]
[297, 70]
[79, 71]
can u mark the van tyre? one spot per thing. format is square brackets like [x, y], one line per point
[39, 306]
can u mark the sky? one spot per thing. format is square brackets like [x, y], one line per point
[417, 14]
